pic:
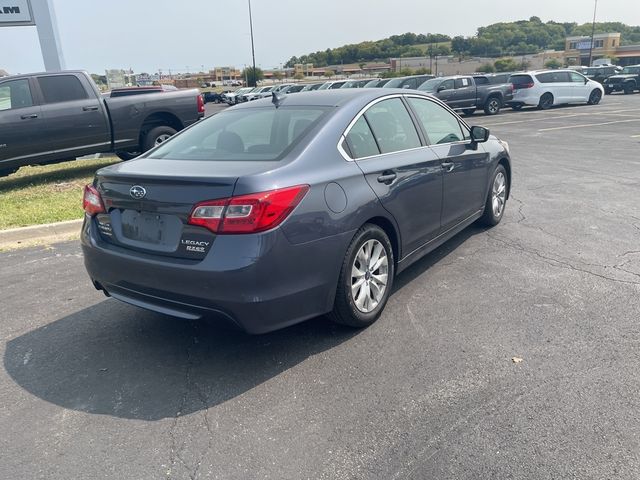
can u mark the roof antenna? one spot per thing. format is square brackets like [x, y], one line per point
[277, 99]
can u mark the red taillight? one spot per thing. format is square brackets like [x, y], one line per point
[522, 85]
[91, 201]
[252, 213]
[200, 104]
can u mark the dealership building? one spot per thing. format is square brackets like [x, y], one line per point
[605, 46]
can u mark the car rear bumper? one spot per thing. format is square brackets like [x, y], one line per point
[524, 97]
[259, 282]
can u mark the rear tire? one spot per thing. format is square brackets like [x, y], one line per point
[156, 136]
[126, 155]
[595, 97]
[607, 91]
[546, 101]
[493, 106]
[362, 293]
[517, 107]
[496, 198]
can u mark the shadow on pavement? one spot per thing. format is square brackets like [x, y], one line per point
[113, 359]
[117, 360]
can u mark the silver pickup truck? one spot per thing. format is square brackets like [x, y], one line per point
[53, 117]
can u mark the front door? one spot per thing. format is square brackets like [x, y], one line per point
[465, 170]
[405, 175]
[20, 125]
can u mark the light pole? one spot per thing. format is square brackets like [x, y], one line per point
[593, 31]
[253, 51]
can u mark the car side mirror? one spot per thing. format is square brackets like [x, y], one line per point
[441, 88]
[586, 80]
[479, 134]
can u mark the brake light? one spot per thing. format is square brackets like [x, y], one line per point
[253, 213]
[91, 201]
[200, 104]
[522, 85]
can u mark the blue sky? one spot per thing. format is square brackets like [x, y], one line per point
[148, 35]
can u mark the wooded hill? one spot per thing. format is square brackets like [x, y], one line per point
[500, 39]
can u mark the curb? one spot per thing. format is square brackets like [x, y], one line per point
[39, 233]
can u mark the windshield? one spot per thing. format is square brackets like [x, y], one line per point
[371, 83]
[248, 134]
[430, 85]
[325, 86]
[631, 70]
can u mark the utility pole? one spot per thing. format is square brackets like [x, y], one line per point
[253, 51]
[593, 31]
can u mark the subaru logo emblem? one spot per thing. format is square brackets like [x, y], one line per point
[137, 192]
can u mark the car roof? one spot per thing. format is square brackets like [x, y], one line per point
[334, 98]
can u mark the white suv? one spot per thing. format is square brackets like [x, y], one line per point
[546, 88]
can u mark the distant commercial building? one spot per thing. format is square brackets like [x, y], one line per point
[605, 46]
[115, 79]
[220, 74]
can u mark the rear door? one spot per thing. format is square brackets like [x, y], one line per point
[465, 171]
[74, 122]
[405, 175]
[20, 124]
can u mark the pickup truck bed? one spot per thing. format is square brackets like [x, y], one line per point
[53, 117]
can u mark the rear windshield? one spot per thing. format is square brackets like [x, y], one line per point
[395, 83]
[520, 79]
[250, 134]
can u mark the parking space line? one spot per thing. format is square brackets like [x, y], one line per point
[588, 125]
[557, 117]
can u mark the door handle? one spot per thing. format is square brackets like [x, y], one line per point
[93, 108]
[448, 166]
[387, 177]
[31, 115]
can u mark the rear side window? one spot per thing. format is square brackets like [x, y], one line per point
[15, 94]
[440, 125]
[248, 134]
[462, 82]
[392, 126]
[360, 140]
[61, 88]
[520, 80]
[553, 77]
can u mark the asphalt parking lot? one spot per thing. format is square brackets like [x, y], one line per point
[91, 388]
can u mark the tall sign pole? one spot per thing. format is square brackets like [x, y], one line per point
[593, 31]
[18, 13]
[253, 51]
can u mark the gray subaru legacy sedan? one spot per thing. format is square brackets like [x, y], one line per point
[283, 209]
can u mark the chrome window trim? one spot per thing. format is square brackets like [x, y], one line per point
[429, 98]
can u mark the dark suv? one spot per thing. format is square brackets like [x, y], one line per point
[601, 74]
[626, 81]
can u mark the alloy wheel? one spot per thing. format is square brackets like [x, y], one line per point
[498, 194]
[369, 276]
[162, 138]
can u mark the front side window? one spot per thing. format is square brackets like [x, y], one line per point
[15, 94]
[392, 126]
[257, 134]
[440, 125]
[61, 88]
[576, 77]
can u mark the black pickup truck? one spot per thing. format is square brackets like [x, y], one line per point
[462, 93]
[627, 81]
[53, 117]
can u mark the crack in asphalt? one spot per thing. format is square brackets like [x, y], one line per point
[563, 263]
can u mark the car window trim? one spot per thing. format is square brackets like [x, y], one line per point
[34, 102]
[423, 137]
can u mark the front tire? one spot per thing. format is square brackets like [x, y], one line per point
[156, 136]
[469, 111]
[546, 101]
[517, 107]
[366, 278]
[493, 106]
[595, 97]
[126, 155]
[496, 198]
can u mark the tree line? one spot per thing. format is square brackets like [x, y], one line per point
[496, 40]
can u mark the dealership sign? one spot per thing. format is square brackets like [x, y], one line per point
[584, 45]
[14, 13]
